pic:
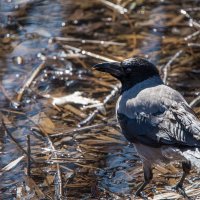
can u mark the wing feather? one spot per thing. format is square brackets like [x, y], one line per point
[175, 125]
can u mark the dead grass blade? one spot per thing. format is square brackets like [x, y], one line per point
[88, 53]
[30, 80]
[83, 41]
[11, 165]
[115, 7]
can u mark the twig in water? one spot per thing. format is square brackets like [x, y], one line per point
[195, 102]
[83, 41]
[30, 79]
[29, 156]
[31, 184]
[189, 37]
[193, 45]
[11, 165]
[59, 189]
[88, 53]
[89, 118]
[85, 128]
[114, 7]
[166, 68]
[98, 109]
[192, 21]
[21, 148]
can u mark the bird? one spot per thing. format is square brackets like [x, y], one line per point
[155, 118]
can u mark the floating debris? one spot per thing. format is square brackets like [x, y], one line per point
[75, 98]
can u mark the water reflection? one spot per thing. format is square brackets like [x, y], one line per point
[26, 27]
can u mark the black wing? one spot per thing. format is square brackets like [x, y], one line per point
[176, 125]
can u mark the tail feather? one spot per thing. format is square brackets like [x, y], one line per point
[193, 155]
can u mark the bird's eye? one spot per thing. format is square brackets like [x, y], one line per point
[128, 70]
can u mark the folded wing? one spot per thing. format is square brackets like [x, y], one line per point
[175, 125]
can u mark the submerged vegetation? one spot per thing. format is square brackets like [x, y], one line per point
[59, 136]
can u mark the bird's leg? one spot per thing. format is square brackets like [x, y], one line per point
[186, 165]
[148, 175]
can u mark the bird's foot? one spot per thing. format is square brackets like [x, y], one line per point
[179, 188]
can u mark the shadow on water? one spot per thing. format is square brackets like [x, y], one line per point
[70, 36]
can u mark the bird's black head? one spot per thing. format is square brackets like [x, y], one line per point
[130, 71]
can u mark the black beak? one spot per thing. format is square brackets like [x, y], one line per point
[113, 68]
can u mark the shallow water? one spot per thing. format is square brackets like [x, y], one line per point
[26, 28]
[98, 162]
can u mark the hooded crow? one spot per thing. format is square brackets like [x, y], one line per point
[155, 118]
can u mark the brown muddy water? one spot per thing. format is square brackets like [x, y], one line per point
[49, 92]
